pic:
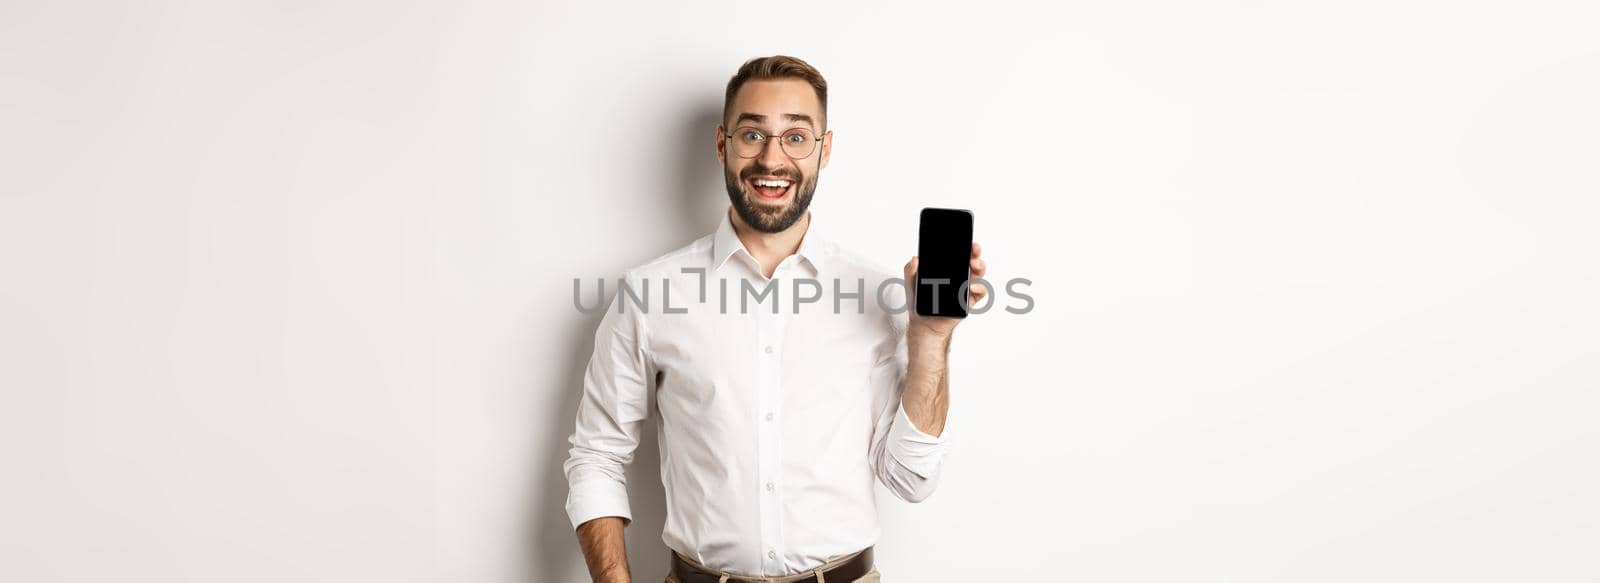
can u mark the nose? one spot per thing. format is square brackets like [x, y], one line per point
[772, 155]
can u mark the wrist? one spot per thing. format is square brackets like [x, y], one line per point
[923, 338]
[613, 575]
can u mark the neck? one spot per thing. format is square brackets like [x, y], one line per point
[770, 248]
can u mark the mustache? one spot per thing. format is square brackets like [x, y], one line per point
[759, 170]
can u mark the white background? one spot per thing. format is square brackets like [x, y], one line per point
[286, 289]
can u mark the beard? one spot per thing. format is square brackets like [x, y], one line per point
[766, 218]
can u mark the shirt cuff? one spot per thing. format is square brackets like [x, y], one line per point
[591, 499]
[916, 450]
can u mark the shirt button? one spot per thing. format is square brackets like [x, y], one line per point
[769, 486]
[772, 555]
[769, 349]
[769, 417]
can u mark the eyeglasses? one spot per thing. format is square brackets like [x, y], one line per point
[749, 142]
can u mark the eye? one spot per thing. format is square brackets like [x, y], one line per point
[751, 136]
[796, 138]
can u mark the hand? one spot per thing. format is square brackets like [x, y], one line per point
[942, 328]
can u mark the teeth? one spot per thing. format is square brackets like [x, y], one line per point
[773, 183]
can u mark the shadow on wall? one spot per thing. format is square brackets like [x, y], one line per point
[700, 198]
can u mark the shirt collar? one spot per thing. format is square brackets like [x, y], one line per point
[725, 243]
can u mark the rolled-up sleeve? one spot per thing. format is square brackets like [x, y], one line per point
[611, 412]
[906, 460]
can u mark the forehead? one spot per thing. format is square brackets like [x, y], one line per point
[775, 98]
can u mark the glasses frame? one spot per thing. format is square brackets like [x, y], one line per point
[768, 140]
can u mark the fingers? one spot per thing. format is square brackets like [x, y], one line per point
[911, 285]
[977, 290]
[977, 264]
[979, 268]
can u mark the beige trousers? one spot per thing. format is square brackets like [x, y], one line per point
[870, 577]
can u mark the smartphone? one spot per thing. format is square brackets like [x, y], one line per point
[944, 253]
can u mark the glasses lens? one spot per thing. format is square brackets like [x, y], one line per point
[747, 142]
[798, 143]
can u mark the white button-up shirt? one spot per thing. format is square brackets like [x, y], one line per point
[772, 424]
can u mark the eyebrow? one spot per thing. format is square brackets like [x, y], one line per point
[758, 118]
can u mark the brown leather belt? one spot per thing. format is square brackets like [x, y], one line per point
[855, 568]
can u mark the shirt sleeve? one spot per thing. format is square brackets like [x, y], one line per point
[611, 412]
[905, 459]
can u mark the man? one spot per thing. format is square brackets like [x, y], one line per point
[773, 423]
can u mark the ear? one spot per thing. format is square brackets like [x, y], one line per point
[722, 145]
[827, 147]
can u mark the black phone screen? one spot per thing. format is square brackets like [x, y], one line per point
[944, 251]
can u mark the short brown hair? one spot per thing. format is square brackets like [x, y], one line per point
[777, 67]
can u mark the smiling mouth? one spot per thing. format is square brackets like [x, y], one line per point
[768, 188]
